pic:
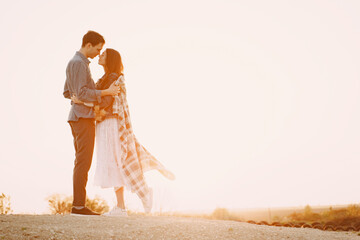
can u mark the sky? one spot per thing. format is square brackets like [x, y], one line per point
[249, 103]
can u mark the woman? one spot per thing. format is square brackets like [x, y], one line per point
[121, 159]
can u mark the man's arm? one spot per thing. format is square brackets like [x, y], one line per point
[86, 94]
[82, 92]
[66, 92]
[111, 91]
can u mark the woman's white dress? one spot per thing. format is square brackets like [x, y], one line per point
[108, 173]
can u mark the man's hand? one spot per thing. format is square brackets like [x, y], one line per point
[112, 90]
[76, 100]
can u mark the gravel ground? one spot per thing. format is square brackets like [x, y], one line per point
[149, 227]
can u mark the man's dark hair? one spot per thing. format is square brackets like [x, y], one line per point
[92, 37]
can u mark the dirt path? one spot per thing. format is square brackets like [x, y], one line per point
[157, 228]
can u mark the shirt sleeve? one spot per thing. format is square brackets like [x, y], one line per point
[66, 92]
[82, 90]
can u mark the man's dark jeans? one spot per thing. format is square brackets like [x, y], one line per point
[83, 132]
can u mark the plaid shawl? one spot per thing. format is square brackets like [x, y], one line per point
[135, 159]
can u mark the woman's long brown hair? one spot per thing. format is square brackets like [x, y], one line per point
[113, 63]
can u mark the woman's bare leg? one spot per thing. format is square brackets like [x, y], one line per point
[120, 197]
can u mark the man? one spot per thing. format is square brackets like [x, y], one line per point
[81, 117]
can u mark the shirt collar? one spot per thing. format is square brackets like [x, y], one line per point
[82, 57]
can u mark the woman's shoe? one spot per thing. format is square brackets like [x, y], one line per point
[116, 212]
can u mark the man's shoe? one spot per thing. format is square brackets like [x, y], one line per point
[83, 211]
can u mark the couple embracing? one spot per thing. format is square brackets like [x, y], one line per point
[100, 109]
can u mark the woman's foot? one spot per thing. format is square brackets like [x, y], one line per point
[117, 212]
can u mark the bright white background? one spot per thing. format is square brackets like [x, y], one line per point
[249, 103]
